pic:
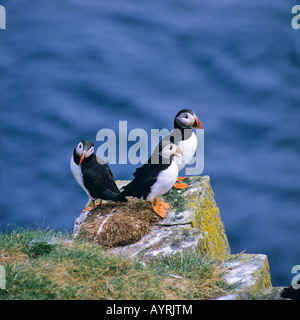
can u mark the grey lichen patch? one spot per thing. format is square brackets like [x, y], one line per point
[274, 293]
[162, 241]
[248, 273]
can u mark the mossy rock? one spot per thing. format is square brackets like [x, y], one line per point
[193, 223]
[196, 206]
[249, 275]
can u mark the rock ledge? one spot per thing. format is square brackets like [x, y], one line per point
[193, 223]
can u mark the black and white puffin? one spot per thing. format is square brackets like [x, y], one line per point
[156, 177]
[184, 137]
[93, 174]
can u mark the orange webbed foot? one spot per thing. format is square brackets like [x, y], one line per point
[180, 185]
[159, 210]
[164, 205]
[92, 206]
[160, 207]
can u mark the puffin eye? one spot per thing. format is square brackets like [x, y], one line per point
[186, 116]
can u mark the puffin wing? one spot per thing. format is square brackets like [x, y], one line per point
[144, 177]
[100, 182]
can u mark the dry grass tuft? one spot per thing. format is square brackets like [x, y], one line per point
[118, 224]
[12, 256]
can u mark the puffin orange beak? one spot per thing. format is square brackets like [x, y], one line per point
[178, 150]
[82, 157]
[197, 123]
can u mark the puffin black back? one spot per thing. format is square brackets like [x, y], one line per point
[99, 180]
[146, 175]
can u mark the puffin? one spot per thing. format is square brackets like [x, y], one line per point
[94, 175]
[184, 137]
[156, 177]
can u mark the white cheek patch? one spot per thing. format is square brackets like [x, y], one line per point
[90, 152]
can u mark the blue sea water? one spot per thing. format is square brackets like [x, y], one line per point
[70, 68]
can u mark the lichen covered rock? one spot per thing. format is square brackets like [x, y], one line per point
[193, 223]
[248, 274]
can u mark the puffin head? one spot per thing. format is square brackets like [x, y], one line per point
[170, 150]
[84, 149]
[186, 119]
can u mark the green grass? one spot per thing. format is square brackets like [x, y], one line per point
[51, 265]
